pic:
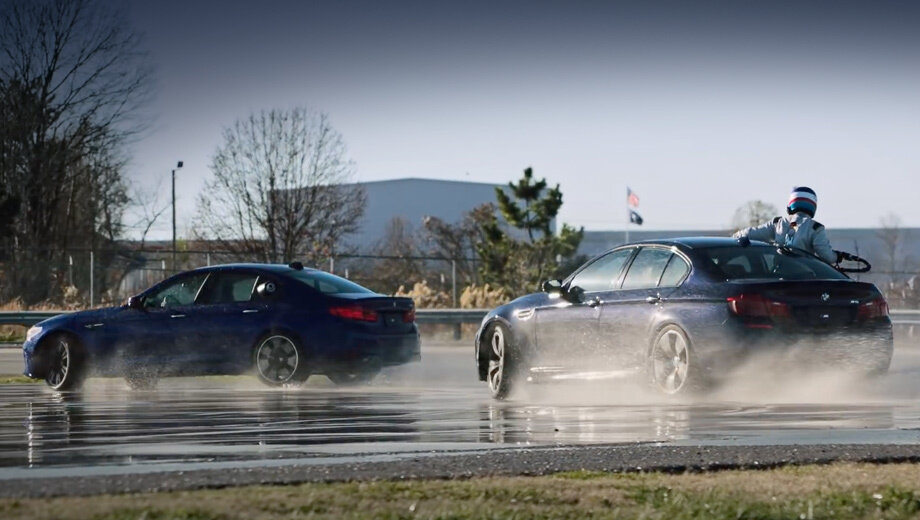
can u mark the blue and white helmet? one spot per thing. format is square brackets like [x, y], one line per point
[802, 199]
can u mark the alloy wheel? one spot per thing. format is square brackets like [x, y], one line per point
[60, 363]
[277, 359]
[496, 360]
[670, 361]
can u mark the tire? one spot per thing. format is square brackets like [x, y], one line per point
[142, 377]
[359, 376]
[279, 360]
[66, 363]
[672, 368]
[501, 371]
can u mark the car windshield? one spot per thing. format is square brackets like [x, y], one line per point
[327, 283]
[742, 263]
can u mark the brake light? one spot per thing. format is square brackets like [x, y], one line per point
[757, 306]
[877, 308]
[354, 312]
[409, 316]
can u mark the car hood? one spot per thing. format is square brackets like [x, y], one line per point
[81, 316]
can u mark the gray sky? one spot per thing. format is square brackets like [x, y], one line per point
[697, 106]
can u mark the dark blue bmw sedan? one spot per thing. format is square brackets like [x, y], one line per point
[684, 312]
[283, 322]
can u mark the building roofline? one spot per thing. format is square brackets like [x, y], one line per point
[453, 181]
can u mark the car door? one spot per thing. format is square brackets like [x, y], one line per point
[627, 312]
[566, 328]
[227, 320]
[148, 335]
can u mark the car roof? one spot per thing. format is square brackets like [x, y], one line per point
[694, 242]
[275, 268]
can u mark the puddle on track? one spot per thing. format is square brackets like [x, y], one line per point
[205, 423]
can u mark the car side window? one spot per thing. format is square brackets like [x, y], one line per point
[228, 287]
[603, 273]
[177, 293]
[646, 270]
[675, 272]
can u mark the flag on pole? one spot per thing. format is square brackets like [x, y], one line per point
[635, 218]
[631, 198]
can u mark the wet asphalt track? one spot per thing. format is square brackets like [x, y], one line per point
[435, 419]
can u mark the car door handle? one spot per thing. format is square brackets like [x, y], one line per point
[177, 315]
[652, 299]
[250, 311]
[594, 302]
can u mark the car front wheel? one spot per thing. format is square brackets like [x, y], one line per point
[280, 360]
[65, 363]
[500, 372]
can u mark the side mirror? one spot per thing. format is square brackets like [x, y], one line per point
[134, 302]
[266, 289]
[551, 286]
[576, 294]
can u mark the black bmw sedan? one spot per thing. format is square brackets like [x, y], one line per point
[281, 322]
[685, 311]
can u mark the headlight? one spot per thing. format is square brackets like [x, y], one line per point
[33, 331]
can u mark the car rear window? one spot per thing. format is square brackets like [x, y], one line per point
[754, 262]
[327, 283]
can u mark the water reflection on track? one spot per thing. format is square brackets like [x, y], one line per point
[432, 406]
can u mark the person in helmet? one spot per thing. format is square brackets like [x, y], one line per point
[798, 229]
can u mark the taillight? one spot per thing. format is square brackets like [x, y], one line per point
[877, 308]
[409, 316]
[354, 312]
[757, 306]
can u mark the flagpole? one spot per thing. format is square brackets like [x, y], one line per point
[627, 214]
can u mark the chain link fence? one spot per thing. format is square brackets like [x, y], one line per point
[80, 277]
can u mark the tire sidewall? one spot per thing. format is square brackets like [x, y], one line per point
[74, 377]
[509, 362]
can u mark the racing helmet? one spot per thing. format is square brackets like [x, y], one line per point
[802, 199]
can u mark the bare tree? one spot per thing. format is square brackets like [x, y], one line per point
[458, 241]
[279, 189]
[402, 266]
[146, 208]
[890, 234]
[753, 213]
[72, 77]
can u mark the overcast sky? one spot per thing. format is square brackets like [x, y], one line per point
[697, 106]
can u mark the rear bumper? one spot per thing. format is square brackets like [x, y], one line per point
[376, 349]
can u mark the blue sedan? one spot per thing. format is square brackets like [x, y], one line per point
[684, 312]
[283, 322]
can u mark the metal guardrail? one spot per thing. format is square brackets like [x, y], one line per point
[448, 316]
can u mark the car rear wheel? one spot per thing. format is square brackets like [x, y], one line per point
[500, 372]
[280, 360]
[671, 364]
[65, 363]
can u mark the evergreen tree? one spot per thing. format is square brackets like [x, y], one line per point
[520, 264]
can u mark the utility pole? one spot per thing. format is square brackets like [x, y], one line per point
[179, 165]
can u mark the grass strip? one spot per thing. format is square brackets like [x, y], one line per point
[841, 490]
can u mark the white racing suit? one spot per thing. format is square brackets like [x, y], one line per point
[807, 234]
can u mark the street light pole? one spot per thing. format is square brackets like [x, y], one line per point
[179, 165]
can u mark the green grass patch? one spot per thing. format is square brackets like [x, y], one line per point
[6, 380]
[807, 492]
